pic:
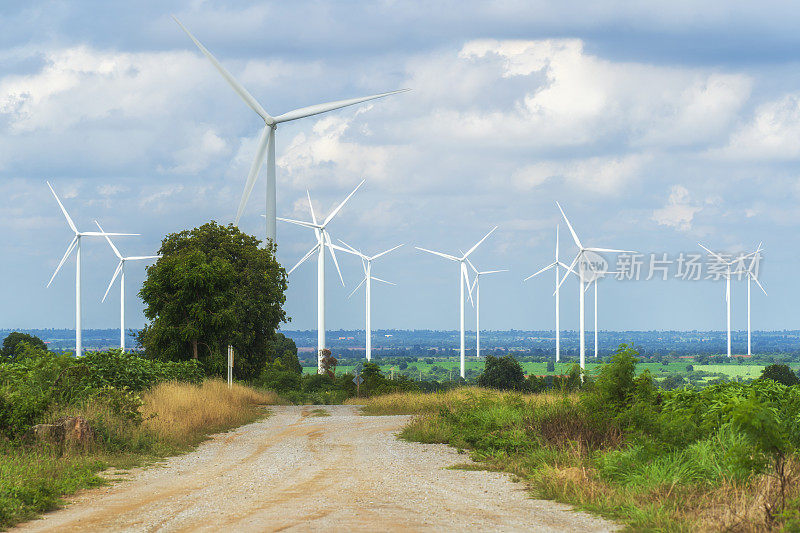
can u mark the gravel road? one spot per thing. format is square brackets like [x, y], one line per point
[299, 471]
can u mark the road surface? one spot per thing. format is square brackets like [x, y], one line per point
[298, 471]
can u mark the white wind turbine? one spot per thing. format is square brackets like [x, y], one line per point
[366, 262]
[75, 244]
[727, 275]
[584, 265]
[556, 264]
[476, 284]
[120, 271]
[266, 144]
[463, 281]
[751, 276]
[323, 241]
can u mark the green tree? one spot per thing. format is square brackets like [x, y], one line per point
[504, 373]
[214, 286]
[551, 366]
[11, 346]
[615, 383]
[780, 373]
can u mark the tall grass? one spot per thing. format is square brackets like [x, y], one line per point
[172, 418]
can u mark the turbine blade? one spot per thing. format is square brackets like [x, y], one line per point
[493, 271]
[311, 207]
[383, 281]
[385, 252]
[566, 274]
[119, 255]
[310, 252]
[240, 90]
[479, 242]
[329, 106]
[357, 287]
[760, 286]
[719, 257]
[352, 249]
[66, 254]
[610, 250]
[545, 269]
[571, 230]
[465, 277]
[333, 255]
[446, 256]
[299, 223]
[142, 257]
[341, 205]
[472, 266]
[105, 234]
[557, 243]
[113, 278]
[252, 175]
[63, 209]
[341, 249]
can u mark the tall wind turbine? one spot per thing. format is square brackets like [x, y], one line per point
[727, 274]
[556, 264]
[476, 284]
[366, 262]
[463, 280]
[323, 241]
[751, 276]
[120, 271]
[75, 244]
[266, 144]
[584, 264]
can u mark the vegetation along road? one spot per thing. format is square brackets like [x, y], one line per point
[315, 468]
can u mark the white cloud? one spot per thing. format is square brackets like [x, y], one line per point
[773, 133]
[605, 175]
[678, 211]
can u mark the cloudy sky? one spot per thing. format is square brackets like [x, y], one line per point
[655, 127]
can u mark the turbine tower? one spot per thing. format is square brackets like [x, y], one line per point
[366, 262]
[323, 241]
[727, 275]
[76, 245]
[584, 264]
[463, 281]
[751, 276]
[555, 265]
[476, 284]
[120, 271]
[266, 144]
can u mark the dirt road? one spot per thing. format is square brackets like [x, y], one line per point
[302, 472]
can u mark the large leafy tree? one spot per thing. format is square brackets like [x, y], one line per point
[781, 374]
[214, 286]
[503, 373]
[11, 344]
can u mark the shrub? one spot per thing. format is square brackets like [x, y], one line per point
[503, 373]
[780, 373]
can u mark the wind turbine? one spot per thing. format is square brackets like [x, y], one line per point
[476, 284]
[366, 262]
[323, 241]
[727, 274]
[463, 281]
[555, 265]
[585, 263]
[120, 271]
[75, 244]
[751, 276]
[266, 144]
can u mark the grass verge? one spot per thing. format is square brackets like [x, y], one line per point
[172, 418]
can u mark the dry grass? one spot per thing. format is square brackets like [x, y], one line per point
[182, 414]
[416, 403]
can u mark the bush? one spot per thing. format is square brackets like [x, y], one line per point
[503, 373]
[12, 341]
[781, 374]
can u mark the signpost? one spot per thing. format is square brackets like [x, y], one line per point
[358, 380]
[230, 366]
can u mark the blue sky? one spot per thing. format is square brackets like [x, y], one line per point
[655, 127]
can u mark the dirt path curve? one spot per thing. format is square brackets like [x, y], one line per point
[300, 472]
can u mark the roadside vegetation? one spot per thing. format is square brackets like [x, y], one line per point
[135, 409]
[719, 458]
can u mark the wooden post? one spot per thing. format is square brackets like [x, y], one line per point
[230, 366]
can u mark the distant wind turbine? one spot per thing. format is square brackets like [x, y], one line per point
[463, 278]
[584, 264]
[476, 284]
[751, 276]
[556, 264]
[727, 275]
[323, 241]
[75, 244]
[266, 144]
[366, 262]
[120, 271]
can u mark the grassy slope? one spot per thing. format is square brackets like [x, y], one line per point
[685, 491]
[176, 417]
